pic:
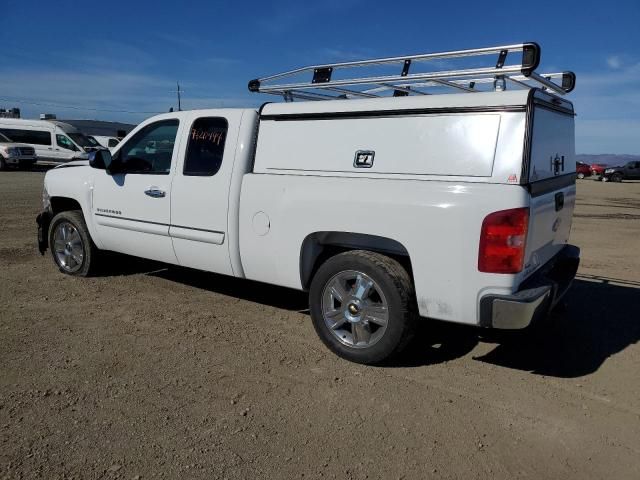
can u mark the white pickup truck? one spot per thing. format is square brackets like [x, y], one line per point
[387, 204]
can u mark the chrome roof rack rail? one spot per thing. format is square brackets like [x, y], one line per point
[520, 74]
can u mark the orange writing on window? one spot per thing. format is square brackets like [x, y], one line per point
[215, 137]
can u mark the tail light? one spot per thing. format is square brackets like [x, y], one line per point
[502, 241]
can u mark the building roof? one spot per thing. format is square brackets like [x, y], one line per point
[100, 127]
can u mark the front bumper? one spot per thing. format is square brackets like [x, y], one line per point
[21, 160]
[536, 296]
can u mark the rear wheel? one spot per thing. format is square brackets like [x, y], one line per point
[363, 306]
[70, 243]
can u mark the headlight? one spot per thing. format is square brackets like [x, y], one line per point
[609, 170]
[46, 200]
[10, 151]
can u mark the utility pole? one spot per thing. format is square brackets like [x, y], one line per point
[178, 91]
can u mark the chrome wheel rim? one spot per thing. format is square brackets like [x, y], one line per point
[68, 247]
[354, 309]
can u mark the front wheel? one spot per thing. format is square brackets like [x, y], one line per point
[616, 177]
[3, 163]
[581, 175]
[70, 243]
[363, 306]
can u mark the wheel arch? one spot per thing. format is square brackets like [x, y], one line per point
[56, 205]
[317, 247]
[63, 204]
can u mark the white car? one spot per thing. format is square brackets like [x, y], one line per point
[455, 207]
[106, 141]
[16, 154]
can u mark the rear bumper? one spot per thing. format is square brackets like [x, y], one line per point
[536, 296]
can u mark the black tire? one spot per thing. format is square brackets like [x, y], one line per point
[3, 164]
[581, 175]
[616, 177]
[88, 261]
[395, 284]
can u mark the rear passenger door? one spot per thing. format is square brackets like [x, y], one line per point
[200, 192]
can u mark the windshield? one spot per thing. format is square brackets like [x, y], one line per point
[93, 141]
[80, 139]
[4, 139]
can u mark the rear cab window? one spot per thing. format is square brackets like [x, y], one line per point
[205, 149]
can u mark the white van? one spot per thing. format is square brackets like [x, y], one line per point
[53, 141]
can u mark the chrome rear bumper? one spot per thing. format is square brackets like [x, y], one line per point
[535, 297]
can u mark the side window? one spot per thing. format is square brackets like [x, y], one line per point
[40, 138]
[112, 142]
[150, 149]
[34, 137]
[64, 142]
[206, 147]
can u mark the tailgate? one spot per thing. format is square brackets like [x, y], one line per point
[550, 217]
[551, 185]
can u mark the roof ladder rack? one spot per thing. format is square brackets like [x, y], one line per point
[497, 75]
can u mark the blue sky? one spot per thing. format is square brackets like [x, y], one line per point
[109, 58]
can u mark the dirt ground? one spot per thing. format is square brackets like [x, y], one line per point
[149, 372]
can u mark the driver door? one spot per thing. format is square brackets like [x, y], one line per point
[131, 208]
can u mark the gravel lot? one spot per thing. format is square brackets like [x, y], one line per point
[149, 372]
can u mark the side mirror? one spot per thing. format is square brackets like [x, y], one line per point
[100, 159]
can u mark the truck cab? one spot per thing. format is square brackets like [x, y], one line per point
[165, 192]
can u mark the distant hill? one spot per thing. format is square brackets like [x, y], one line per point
[606, 158]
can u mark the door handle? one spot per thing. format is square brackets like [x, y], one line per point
[155, 192]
